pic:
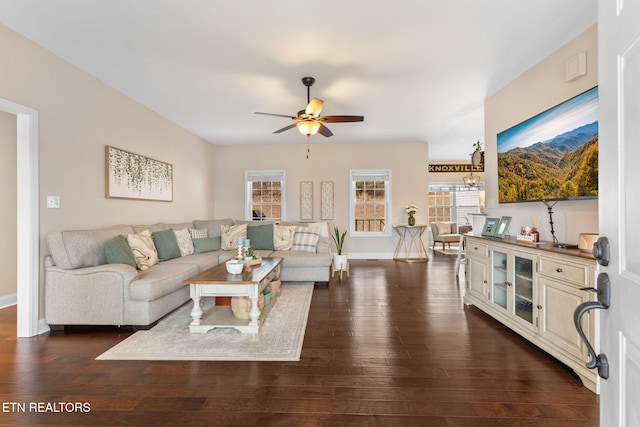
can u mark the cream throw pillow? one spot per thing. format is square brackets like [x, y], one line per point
[184, 241]
[283, 237]
[143, 249]
[229, 235]
[443, 227]
[323, 227]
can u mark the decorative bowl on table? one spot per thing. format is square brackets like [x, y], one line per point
[234, 266]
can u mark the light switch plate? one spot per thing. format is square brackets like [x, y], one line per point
[53, 202]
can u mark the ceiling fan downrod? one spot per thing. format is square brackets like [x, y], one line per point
[308, 82]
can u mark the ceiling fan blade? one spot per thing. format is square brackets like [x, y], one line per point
[277, 115]
[324, 131]
[341, 119]
[315, 107]
[286, 128]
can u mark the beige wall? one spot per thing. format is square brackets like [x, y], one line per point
[327, 162]
[78, 116]
[537, 90]
[8, 217]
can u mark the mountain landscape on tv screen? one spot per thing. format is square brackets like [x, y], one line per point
[563, 167]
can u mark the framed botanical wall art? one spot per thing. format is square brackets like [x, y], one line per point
[133, 176]
[306, 200]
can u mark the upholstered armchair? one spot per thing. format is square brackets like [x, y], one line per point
[447, 232]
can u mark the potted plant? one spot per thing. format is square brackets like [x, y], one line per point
[339, 260]
[411, 210]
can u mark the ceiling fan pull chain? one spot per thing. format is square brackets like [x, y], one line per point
[308, 151]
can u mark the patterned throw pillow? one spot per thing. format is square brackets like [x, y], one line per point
[143, 249]
[229, 235]
[184, 241]
[283, 237]
[199, 233]
[306, 239]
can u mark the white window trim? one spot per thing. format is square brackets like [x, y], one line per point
[359, 175]
[263, 175]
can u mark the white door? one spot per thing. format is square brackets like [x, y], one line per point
[619, 206]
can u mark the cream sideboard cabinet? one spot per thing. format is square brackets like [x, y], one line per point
[534, 290]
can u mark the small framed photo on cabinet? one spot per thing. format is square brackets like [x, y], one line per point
[503, 226]
[490, 225]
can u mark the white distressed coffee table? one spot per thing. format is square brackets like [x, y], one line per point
[216, 282]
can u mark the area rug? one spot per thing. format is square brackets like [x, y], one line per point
[447, 251]
[280, 337]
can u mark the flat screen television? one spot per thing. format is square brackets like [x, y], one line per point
[553, 155]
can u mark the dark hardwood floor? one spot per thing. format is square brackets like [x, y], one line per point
[393, 345]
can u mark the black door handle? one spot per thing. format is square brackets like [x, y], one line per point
[599, 361]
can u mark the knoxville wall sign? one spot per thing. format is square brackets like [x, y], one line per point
[454, 167]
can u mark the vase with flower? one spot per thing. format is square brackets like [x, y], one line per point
[411, 210]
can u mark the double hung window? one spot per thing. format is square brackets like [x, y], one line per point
[454, 201]
[370, 202]
[264, 195]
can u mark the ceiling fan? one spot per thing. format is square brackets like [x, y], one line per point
[309, 121]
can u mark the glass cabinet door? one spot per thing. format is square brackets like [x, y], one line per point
[499, 279]
[523, 288]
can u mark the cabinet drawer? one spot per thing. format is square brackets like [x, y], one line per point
[477, 249]
[559, 270]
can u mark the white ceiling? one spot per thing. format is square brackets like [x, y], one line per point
[418, 71]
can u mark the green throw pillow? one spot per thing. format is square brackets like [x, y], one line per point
[209, 244]
[261, 236]
[166, 244]
[118, 251]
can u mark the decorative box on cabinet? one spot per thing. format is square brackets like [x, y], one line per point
[534, 290]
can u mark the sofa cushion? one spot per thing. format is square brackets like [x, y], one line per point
[160, 280]
[166, 244]
[212, 225]
[118, 251]
[82, 248]
[158, 226]
[143, 249]
[302, 259]
[204, 260]
[183, 237]
[306, 239]
[229, 235]
[261, 236]
[206, 245]
[181, 225]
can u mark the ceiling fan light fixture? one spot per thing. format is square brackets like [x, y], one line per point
[308, 127]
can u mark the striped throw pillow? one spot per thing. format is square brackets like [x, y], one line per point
[306, 239]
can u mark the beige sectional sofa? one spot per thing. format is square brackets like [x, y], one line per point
[82, 288]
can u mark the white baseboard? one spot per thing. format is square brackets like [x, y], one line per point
[8, 300]
[43, 327]
[370, 255]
